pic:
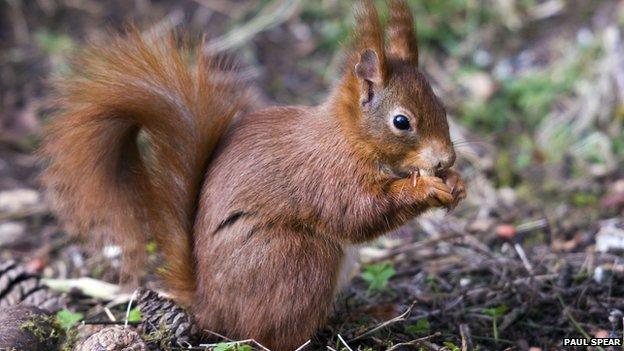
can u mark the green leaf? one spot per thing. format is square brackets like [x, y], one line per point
[134, 315]
[496, 311]
[223, 347]
[231, 347]
[451, 346]
[68, 319]
[421, 327]
[377, 275]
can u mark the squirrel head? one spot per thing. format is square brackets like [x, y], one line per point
[398, 120]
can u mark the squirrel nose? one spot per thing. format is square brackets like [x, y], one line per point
[437, 156]
[446, 162]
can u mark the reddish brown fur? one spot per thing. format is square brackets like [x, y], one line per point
[402, 40]
[286, 190]
[97, 176]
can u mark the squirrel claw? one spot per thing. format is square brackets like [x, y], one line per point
[415, 176]
[458, 189]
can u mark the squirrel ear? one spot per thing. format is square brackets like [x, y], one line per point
[369, 68]
[369, 71]
[369, 34]
[401, 34]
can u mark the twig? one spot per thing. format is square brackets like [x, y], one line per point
[417, 245]
[88, 286]
[130, 307]
[466, 338]
[270, 16]
[344, 342]
[546, 9]
[511, 317]
[417, 342]
[523, 257]
[110, 315]
[304, 345]
[109, 323]
[516, 282]
[120, 299]
[24, 212]
[218, 335]
[399, 318]
[532, 225]
[499, 340]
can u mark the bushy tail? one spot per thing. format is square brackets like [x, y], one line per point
[128, 149]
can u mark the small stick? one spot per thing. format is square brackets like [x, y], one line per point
[417, 342]
[218, 335]
[466, 338]
[300, 348]
[95, 322]
[110, 315]
[417, 245]
[396, 319]
[344, 343]
[24, 212]
[130, 307]
[523, 258]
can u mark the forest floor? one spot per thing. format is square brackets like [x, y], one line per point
[535, 90]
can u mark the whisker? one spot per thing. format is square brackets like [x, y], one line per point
[466, 142]
[464, 146]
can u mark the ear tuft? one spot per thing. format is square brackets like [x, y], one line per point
[369, 34]
[403, 43]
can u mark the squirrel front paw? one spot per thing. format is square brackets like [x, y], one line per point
[457, 186]
[433, 191]
[445, 190]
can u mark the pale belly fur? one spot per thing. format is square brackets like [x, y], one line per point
[349, 266]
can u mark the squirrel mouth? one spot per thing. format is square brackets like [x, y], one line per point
[412, 174]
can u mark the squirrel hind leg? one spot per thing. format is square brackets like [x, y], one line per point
[272, 285]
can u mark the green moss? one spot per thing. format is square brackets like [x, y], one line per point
[46, 329]
[161, 336]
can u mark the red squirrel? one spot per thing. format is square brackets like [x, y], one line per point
[252, 211]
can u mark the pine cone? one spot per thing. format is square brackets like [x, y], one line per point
[25, 327]
[17, 286]
[164, 324]
[115, 338]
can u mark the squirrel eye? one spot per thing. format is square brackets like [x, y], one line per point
[401, 122]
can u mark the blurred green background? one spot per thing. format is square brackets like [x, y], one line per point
[537, 85]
